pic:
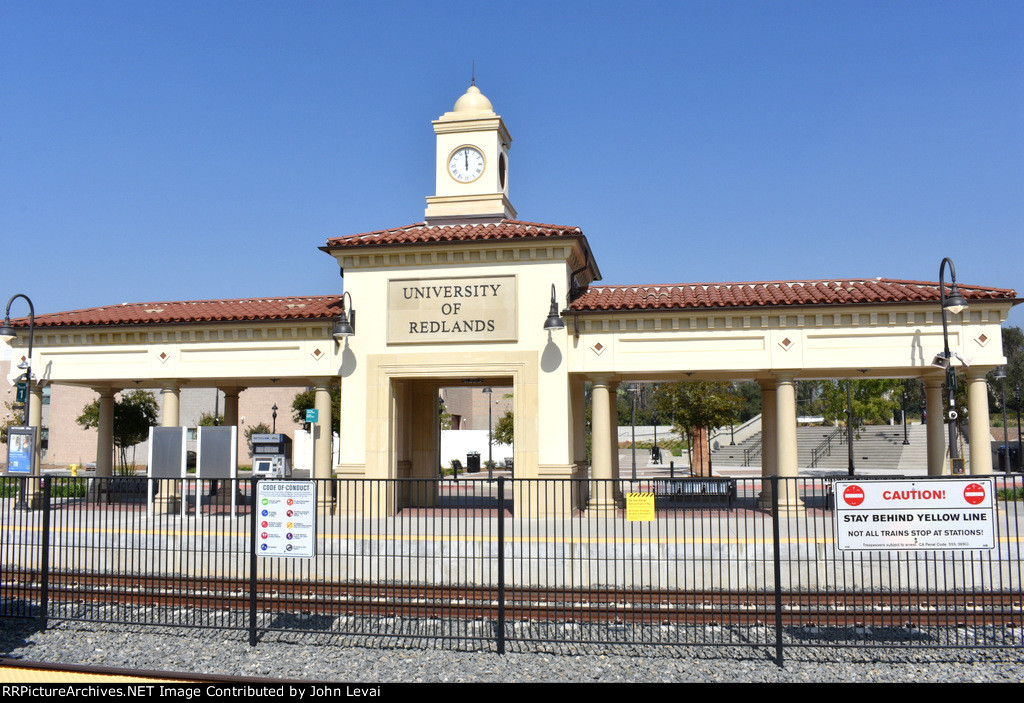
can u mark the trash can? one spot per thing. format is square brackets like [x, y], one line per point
[1004, 458]
[473, 462]
[1014, 459]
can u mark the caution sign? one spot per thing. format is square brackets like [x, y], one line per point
[285, 518]
[915, 515]
[639, 507]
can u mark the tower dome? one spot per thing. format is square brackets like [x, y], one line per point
[473, 101]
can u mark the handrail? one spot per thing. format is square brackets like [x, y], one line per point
[752, 451]
[824, 448]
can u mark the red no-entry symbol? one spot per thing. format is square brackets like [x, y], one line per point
[853, 495]
[974, 493]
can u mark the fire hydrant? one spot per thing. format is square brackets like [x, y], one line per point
[74, 469]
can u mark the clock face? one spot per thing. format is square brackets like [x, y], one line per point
[466, 164]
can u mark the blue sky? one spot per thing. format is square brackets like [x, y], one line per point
[190, 150]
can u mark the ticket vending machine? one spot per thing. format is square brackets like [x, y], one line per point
[272, 455]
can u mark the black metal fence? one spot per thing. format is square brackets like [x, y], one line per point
[506, 563]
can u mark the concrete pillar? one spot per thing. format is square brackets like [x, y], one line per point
[937, 465]
[579, 428]
[785, 450]
[231, 406]
[977, 416]
[768, 428]
[601, 493]
[105, 433]
[171, 414]
[321, 429]
[613, 414]
[35, 419]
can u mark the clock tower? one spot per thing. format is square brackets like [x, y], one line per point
[471, 180]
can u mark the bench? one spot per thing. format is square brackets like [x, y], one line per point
[123, 489]
[703, 488]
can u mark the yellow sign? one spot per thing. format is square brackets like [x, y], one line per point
[639, 507]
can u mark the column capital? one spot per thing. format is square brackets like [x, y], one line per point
[977, 372]
[171, 384]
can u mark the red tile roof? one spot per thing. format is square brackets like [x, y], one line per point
[422, 233]
[772, 293]
[191, 311]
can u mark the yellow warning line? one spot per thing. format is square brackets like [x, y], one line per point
[528, 539]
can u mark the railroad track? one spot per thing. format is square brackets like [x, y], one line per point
[589, 605]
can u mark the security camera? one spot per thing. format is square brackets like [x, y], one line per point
[953, 415]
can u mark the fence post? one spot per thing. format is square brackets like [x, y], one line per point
[253, 512]
[44, 562]
[777, 558]
[501, 565]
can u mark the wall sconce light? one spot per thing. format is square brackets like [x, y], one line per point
[346, 324]
[554, 321]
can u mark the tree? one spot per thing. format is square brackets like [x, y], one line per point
[504, 429]
[306, 400]
[10, 419]
[693, 407]
[258, 428]
[209, 420]
[1013, 350]
[874, 401]
[134, 414]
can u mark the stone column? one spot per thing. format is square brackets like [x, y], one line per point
[105, 433]
[601, 494]
[231, 406]
[171, 414]
[934, 409]
[977, 416]
[35, 419]
[613, 415]
[786, 466]
[321, 431]
[768, 425]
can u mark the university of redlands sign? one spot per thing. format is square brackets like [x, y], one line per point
[477, 309]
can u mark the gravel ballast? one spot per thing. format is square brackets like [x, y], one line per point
[314, 657]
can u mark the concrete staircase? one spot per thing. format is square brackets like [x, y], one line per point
[877, 447]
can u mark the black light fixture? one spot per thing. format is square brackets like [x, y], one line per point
[554, 321]
[273, 415]
[954, 303]
[346, 324]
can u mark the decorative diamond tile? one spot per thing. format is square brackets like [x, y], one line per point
[786, 343]
[598, 348]
[163, 357]
[317, 354]
[982, 339]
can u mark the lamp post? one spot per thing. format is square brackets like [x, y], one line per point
[7, 333]
[273, 416]
[490, 434]
[1016, 401]
[955, 304]
[849, 428]
[633, 389]
[1000, 375]
[903, 409]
